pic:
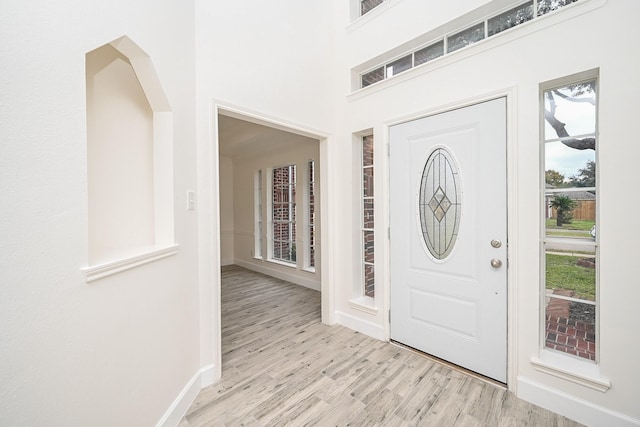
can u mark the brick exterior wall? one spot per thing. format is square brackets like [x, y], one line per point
[565, 333]
[368, 236]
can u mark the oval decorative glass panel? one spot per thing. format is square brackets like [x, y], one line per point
[439, 203]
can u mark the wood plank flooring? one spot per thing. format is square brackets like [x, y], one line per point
[281, 366]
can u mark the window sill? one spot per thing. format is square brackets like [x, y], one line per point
[365, 304]
[571, 369]
[310, 270]
[283, 263]
[109, 268]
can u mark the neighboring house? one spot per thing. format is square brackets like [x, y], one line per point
[139, 144]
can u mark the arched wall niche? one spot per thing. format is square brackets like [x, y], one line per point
[129, 160]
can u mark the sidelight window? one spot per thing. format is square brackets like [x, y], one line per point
[367, 217]
[570, 232]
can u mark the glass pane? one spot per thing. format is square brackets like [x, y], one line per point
[312, 247]
[439, 203]
[369, 281]
[571, 272]
[277, 250]
[570, 327]
[367, 151]
[466, 37]
[546, 6]
[428, 53]
[511, 18]
[368, 246]
[566, 165]
[367, 5]
[292, 175]
[571, 111]
[373, 77]
[367, 182]
[281, 194]
[398, 66]
[367, 220]
[571, 215]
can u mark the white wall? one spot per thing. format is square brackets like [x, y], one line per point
[117, 351]
[515, 64]
[226, 211]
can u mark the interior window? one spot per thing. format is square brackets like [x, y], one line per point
[284, 214]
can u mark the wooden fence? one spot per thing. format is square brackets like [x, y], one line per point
[585, 210]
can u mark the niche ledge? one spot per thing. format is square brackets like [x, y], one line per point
[95, 272]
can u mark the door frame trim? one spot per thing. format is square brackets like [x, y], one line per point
[510, 95]
[208, 221]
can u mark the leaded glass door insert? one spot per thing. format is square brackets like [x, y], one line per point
[439, 203]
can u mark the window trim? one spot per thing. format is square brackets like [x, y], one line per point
[258, 231]
[555, 362]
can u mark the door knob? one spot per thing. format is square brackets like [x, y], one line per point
[496, 263]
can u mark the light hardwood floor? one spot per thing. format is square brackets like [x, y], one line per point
[281, 366]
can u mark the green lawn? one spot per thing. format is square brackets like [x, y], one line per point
[564, 273]
[576, 224]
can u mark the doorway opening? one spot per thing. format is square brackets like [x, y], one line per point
[270, 192]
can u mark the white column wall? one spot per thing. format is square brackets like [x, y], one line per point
[515, 65]
[117, 351]
[270, 60]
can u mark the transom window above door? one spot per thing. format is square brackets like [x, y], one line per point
[443, 42]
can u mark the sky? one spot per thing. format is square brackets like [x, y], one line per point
[579, 118]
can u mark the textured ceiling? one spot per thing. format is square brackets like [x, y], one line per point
[240, 138]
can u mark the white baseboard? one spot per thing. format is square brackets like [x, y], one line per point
[203, 378]
[279, 274]
[226, 261]
[363, 326]
[571, 407]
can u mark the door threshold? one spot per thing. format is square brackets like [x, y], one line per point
[451, 365]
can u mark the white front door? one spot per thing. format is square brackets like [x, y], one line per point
[449, 236]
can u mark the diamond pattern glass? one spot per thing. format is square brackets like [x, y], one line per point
[439, 203]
